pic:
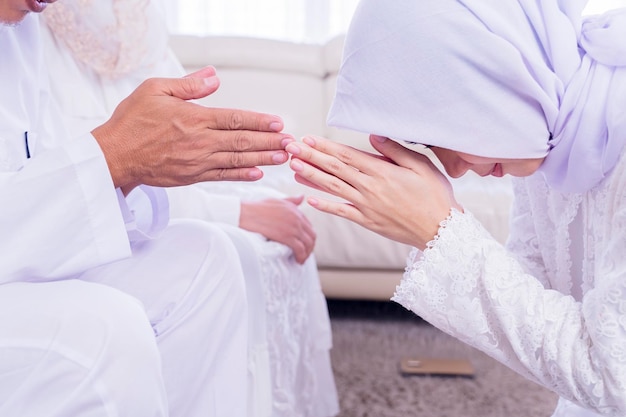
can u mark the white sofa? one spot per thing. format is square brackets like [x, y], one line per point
[297, 81]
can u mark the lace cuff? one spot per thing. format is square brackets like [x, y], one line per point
[146, 212]
[449, 267]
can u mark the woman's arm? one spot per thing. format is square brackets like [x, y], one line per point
[468, 285]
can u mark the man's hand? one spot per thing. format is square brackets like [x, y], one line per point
[282, 221]
[157, 137]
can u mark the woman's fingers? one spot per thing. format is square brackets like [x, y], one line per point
[358, 159]
[398, 154]
[361, 161]
[345, 210]
[335, 168]
[323, 172]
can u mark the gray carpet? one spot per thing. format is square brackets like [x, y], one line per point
[371, 337]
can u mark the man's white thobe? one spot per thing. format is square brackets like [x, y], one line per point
[105, 309]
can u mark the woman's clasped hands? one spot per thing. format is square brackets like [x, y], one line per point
[399, 194]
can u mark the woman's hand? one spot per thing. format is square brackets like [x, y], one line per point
[282, 221]
[400, 195]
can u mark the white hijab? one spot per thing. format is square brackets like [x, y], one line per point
[493, 78]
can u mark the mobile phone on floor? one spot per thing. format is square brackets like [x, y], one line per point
[436, 366]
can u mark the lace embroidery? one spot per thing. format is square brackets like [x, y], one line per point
[293, 348]
[114, 38]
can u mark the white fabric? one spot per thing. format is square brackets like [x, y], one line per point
[99, 236]
[191, 285]
[552, 307]
[65, 351]
[498, 78]
[196, 203]
[298, 334]
[131, 347]
[289, 364]
[258, 364]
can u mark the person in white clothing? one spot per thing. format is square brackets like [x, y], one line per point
[106, 307]
[289, 367]
[530, 89]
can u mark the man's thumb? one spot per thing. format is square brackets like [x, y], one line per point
[205, 72]
[192, 87]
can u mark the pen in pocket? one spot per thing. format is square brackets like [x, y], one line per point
[26, 142]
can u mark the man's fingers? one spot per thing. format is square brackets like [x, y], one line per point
[240, 141]
[229, 160]
[235, 119]
[232, 174]
[238, 166]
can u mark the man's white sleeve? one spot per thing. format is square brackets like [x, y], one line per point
[60, 214]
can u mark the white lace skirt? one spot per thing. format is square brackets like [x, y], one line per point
[290, 335]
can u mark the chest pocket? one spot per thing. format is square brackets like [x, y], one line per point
[13, 151]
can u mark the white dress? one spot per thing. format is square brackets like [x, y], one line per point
[290, 373]
[553, 306]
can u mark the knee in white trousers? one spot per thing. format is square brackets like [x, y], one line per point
[72, 348]
[163, 333]
[191, 284]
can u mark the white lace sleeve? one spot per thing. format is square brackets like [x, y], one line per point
[469, 286]
[522, 241]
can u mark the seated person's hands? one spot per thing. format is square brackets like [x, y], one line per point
[400, 195]
[157, 137]
[282, 221]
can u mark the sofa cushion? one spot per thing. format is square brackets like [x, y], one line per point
[252, 53]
